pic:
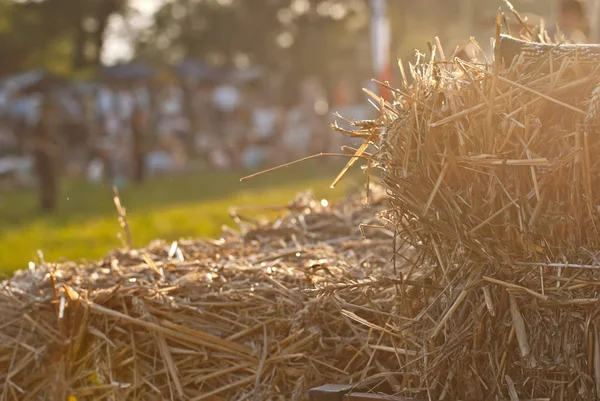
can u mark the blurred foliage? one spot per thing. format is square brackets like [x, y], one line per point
[64, 36]
[267, 30]
[298, 37]
[310, 37]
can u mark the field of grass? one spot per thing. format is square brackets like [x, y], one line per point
[85, 225]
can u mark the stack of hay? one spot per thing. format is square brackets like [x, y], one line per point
[203, 320]
[487, 289]
[493, 170]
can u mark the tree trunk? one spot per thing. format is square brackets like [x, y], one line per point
[98, 39]
[79, 41]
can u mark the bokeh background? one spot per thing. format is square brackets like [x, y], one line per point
[172, 101]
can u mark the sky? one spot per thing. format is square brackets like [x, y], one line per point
[118, 45]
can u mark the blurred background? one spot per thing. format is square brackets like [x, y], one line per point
[172, 101]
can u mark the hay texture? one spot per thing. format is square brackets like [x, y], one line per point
[478, 281]
[493, 171]
[205, 320]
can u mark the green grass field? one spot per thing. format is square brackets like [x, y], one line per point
[171, 207]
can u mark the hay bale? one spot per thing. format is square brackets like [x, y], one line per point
[200, 320]
[493, 173]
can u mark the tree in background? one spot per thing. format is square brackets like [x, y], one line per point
[90, 20]
[64, 36]
[299, 37]
[307, 37]
[295, 37]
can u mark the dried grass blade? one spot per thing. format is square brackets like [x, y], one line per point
[516, 287]
[354, 158]
[169, 364]
[519, 325]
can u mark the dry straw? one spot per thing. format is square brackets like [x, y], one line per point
[481, 282]
[205, 320]
[493, 173]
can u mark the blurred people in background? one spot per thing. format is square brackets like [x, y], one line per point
[314, 106]
[137, 144]
[45, 154]
[227, 99]
[120, 130]
[202, 115]
[139, 122]
[104, 101]
[265, 129]
[173, 124]
[72, 126]
[112, 136]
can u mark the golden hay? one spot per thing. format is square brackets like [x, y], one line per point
[486, 290]
[493, 173]
[204, 320]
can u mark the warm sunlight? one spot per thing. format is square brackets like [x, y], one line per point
[307, 200]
